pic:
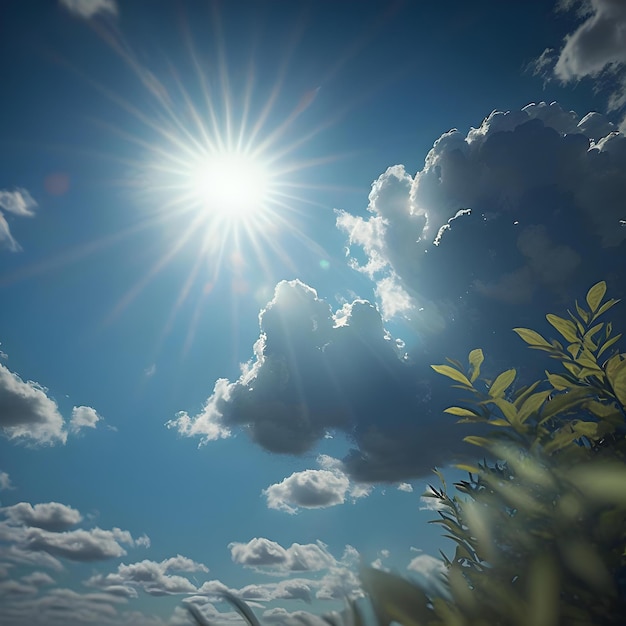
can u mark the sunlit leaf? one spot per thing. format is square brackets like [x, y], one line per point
[501, 383]
[477, 441]
[532, 404]
[462, 412]
[508, 410]
[452, 373]
[558, 382]
[617, 378]
[524, 392]
[595, 295]
[531, 337]
[564, 402]
[476, 358]
[565, 327]
[472, 469]
[601, 482]
[609, 343]
[584, 316]
[605, 307]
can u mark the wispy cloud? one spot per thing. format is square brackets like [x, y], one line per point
[5, 482]
[19, 203]
[596, 49]
[89, 8]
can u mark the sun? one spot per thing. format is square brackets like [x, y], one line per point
[229, 185]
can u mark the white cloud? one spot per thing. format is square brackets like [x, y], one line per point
[52, 516]
[5, 482]
[596, 49]
[83, 417]
[271, 556]
[315, 489]
[26, 412]
[89, 8]
[94, 544]
[484, 197]
[311, 489]
[315, 372]
[407, 487]
[428, 503]
[20, 203]
[152, 577]
[430, 571]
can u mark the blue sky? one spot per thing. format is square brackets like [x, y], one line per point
[233, 238]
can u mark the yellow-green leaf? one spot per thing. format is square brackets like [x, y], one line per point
[584, 316]
[595, 295]
[461, 412]
[605, 307]
[558, 382]
[472, 469]
[617, 378]
[501, 383]
[476, 358]
[601, 482]
[478, 441]
[524, 392]
[452, 373]
[565, 327]
[532, 404]
[609, 343]
[508, 410]
[532, 338]
[564, 402]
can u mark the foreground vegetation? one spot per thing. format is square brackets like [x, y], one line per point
[540, 529]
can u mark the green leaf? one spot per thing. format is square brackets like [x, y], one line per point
[558, 382]
[564, 402]
[524, 392]
[605, 307]
[483, 442]
[601, 482]
[565, 327]
[501, 383]
[584, 316]
[532, 404]
[476, 358]
[532, 338]
[595, 295]
[609, 343]
[617, 378]
[452, 373]
[462, 412]
[508, 410]
[472, 469]
[585, 429]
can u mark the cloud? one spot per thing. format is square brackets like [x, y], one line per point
[596, 49]
[430, 571]
[152, 577]
[83, 417]
[5, 482]
[52, 516]
[26, 412]
[19, 203]
[514, 205]
[36, 534]
[315, 371]
[314, 488]
[39, 579]
[89, 8]
[95, 544]
[407, 487]
[266, 555]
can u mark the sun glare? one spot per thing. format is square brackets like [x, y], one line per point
[229, 185]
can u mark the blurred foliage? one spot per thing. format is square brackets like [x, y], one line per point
[540, 529]
[540, 533]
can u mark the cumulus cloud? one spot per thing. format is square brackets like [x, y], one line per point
[52, 516]
[595, 50]
[430, 571]
[20, 203]
[83, 417]
[26, 412]
[266, 555]
[316, 371]
[94, 544]
[513, 205]
[152, 577]
[314, 488]
[406, 487]
[5, 482]
[38, 535]
[89, 8]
